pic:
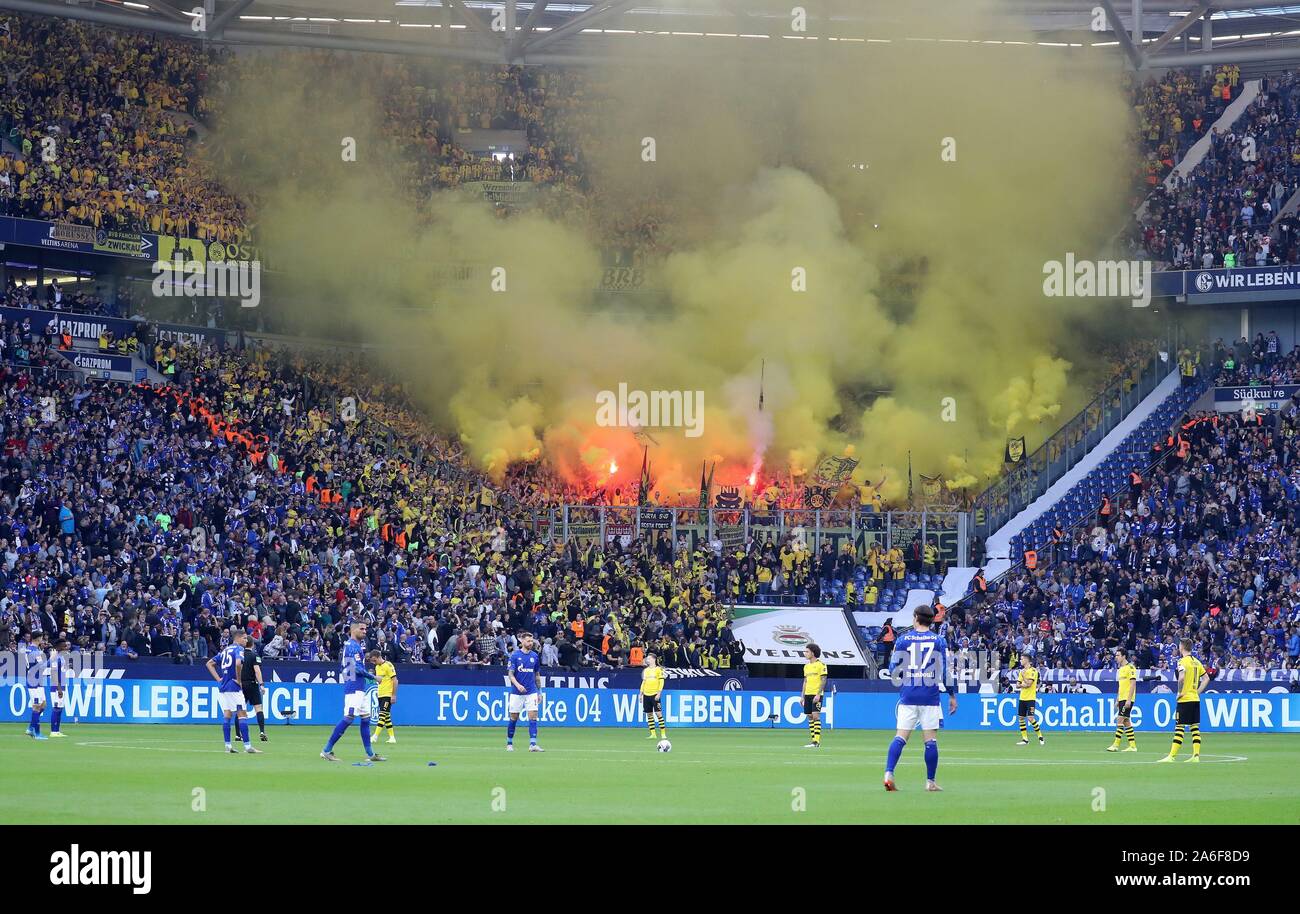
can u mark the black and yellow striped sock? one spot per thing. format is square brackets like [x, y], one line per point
[1196, 740]
[1178, 741]
[650, 722]
[1024, 734]
[817, 731]
[1132, 739]
[1034, 720]
[663, 730]
[1119, 735]
[385, 720]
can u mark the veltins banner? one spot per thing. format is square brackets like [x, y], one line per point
[778, 634]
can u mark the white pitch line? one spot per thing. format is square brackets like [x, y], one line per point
[975, 762]
[725, 761]
[98, 745]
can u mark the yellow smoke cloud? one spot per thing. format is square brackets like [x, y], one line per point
[891, 309]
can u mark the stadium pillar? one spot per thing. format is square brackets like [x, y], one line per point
[1137, 24]
[1207, 39]
[963, 536]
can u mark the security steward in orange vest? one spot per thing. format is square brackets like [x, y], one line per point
[1104, 512]
[1031, 558]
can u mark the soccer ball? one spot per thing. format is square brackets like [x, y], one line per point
[664, 746]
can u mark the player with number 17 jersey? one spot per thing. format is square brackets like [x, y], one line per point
[919, 666]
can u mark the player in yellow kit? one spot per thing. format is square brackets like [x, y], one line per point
[386, 673]
[1192, 680]
[1127, 677]
[1028, 686]
[814, 687]
[652, 687]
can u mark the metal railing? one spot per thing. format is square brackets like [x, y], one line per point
[948, 530]
[1050, 558]
[1037, 472]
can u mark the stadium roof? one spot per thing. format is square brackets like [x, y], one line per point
[587, 31]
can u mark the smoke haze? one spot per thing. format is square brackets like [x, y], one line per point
[923, 277]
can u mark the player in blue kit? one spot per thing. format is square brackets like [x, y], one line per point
[919, 667]
[58, 686]
[524, 694]
[226, 668]
[34, 667]
[356, 700]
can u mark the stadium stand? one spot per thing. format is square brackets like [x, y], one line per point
[1172, 114]
[230, 540]
[273, 517]
[1200, 547]
[1221, 212]
[91, 118]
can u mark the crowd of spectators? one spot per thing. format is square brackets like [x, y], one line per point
[156, 521]
[1204, 549]
[119, 113]
[1172, 113]
[52, 297]
[1222, 213]
[101, 124]
[1261, 363]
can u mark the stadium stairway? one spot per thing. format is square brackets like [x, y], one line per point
[1076, 495]
[1201, 148]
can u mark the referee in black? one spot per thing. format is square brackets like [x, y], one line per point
[251, 681]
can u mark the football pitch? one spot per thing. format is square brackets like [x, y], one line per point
[181, 774]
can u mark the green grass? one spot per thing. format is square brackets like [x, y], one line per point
[148, 774]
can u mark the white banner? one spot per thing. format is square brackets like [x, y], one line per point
[778, 634]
